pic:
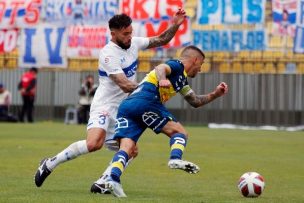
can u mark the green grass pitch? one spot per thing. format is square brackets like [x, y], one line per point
[223, 155]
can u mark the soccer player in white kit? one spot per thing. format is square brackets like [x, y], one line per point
[118, 62]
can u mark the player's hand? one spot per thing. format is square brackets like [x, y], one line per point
[179, 16]
[164, 83]
[221, 89]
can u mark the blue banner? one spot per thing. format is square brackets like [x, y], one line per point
[230, 40]
[299, 36]
[230, 11]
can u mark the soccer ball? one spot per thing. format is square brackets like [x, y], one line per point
[251, 184]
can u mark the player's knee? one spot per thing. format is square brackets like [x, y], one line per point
[134, 152]
[174, 131]
[94, 145]
[95, 139]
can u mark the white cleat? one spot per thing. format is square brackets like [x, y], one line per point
[115, 188]
[187, 166]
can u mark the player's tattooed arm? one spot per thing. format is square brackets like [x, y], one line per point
[122, 81]
[168, 34]
[200, 100]
[164, 37]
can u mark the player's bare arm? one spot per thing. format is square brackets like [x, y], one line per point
[161, 72]
[122, 81]
[168, 34]
[200, 100]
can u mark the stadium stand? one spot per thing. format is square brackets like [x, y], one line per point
[277, 58]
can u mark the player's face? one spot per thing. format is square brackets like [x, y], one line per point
[196, 67]
[123, 37]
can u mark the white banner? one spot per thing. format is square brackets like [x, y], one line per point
[18, 14]
[78, 12]
[230, 11]
[86, 41]
[284, 17]
[44, 46]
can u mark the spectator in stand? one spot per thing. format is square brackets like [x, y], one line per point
[27, 87]
[86, 94]
[5, 102]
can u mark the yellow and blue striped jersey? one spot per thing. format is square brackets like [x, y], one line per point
[177, 77]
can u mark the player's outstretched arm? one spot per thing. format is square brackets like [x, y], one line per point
[122, 81]
[168, 34]
[200, 100]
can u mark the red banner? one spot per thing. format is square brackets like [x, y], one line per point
[86, 41]
[8, 40]
[145, 9]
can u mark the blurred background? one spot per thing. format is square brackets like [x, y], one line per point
[256, 47]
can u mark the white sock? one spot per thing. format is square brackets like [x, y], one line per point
[71, 152]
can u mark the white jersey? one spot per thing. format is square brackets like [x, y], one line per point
[108, 96]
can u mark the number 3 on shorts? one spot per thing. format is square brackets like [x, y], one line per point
[102, 119]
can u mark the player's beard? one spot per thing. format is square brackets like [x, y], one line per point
[122, 45]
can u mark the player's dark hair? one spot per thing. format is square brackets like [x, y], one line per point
[119, 21]
[193, 48]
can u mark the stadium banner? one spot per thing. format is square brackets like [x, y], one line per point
[230, 12]
[299, 35]
[78, 12]
[8, 40]
[230, 40]
[19, 14]
[155, 27]
[86, 41]
[145, 9]
[44, 46]
[284, 17]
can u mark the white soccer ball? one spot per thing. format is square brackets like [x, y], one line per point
[251, 184]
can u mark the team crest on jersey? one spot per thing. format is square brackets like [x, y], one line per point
[107, 60]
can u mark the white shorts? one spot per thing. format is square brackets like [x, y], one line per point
[105, 120]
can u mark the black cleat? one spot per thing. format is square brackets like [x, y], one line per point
[99, 188]
[42, 173]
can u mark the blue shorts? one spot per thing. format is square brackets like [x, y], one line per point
[139, 111]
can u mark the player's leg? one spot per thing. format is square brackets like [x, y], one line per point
[94, 142]
[119, 162]
[99, 185]
[113, 145]
[178, 141]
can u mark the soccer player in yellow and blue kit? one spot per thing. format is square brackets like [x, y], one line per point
[144, 109]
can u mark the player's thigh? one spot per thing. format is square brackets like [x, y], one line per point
[173, 127]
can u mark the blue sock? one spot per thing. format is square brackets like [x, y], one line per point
[178, 143]
[118, 164]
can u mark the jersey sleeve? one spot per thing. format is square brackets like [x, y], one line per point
[141, 42]
[109, 64]
[176, 67]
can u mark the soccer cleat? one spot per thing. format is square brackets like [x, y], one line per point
[42, 173]
[187, 166]
[99, 186]
[115, 188]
